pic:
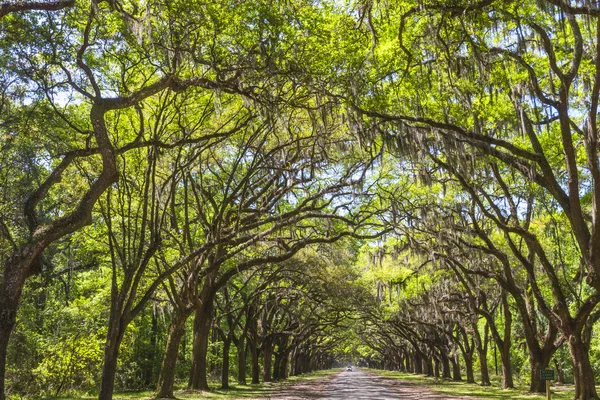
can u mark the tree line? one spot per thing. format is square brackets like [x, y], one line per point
[183, 153]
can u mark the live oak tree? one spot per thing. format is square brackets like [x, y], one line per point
[515, 84]
[67, 72]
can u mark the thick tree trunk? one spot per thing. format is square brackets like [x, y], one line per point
[445, 367]
[469, 368]
[267, 360]
[409, 367]
[16, 270]
[255, 363]
[482, 346]
[116, 330]
[202, 325]
[6, 326]
[427, 366]
[293, 355]
[225, 367]
[585, 383]
[485, 374]
[418, 363]
[507, 377]
[167, 372]
[253, 344]
[538, 360]
[241, 359]
[283, 365]
[456, 368]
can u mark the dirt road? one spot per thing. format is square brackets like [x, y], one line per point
[358, 385]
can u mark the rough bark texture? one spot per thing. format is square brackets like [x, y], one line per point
[469, 369]
[483, 367]
[445, 367]
[202, 324]
[538, 360]
[167, 372]
[225, 367]
[456, 368]
[111, 354]
[417, 363]
[267, 360]
[241, 356]
[11, 286]
[585, 388]
[255, 363]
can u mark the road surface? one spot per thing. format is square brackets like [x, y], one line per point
[358, 385]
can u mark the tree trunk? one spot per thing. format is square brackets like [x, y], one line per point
[585, 385]
[283, 365]
[7, 323]
[456, 368]
[507, 377]
[111, 354]
[482, 346]
[469, 368]
[167, 372]
[560, 372]
[538, 360]
[293, 355]
[505, 345]
[409, 367]
[485, 374]
[445, 367]
[225, 367]
[428, 366]
[417, 363]
[202, 325]
[11, 286]
[267, 360]
[255, 363]
[241, 358]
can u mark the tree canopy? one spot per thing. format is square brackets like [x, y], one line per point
[409, 185]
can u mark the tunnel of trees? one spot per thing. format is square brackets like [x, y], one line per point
[240, 191]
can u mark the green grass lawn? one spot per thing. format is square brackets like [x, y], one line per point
[564, 392]
[262, 390]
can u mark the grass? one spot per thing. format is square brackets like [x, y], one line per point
[259, 391]
[564, 392]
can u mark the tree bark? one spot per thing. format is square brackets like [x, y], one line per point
[455, 361]
[225, 366]
[202, 325]
[255, 363]
[538, 359]
[166, 379]
[507, 377]
[267, 350]
[114, 337]
[469, 368]
[11, 286]
[585, 385]
[418, 365]
[445, 367]
[427, 366]
[241, 359]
